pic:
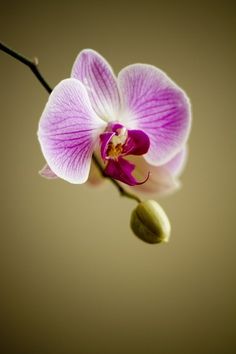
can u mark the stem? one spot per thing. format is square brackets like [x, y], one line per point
[33, 65]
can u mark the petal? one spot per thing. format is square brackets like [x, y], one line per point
[155, 104]
[97, 76]
[69, 131]
[105, 138]
[163, 179]
[137, 143]
[121, 170]
[176, 165]
[160, 181]
[46, 172]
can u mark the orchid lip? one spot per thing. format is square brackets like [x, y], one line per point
[116, 143]
[145, 180]
[121, 170]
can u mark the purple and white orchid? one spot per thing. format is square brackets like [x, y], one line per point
[141, 114]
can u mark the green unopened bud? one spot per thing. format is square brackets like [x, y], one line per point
[150, 223]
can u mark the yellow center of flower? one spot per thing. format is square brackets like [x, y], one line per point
[114, 151]
[115, 146]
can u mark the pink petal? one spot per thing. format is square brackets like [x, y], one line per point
[121, 170]
[97, 76]
[137, 143]
[105, 138]
[160, 179]
[176, 165]
[46, 172]
[69, 131]
[155, 104]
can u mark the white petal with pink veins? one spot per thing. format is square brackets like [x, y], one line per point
[69, 131]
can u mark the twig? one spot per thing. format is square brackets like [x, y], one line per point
[33, 65]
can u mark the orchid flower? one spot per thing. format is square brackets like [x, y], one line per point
[141, 115]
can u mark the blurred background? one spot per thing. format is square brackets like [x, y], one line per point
[74, 279]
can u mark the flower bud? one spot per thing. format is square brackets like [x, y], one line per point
[150, 223]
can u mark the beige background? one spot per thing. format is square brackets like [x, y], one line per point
[74, 279]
